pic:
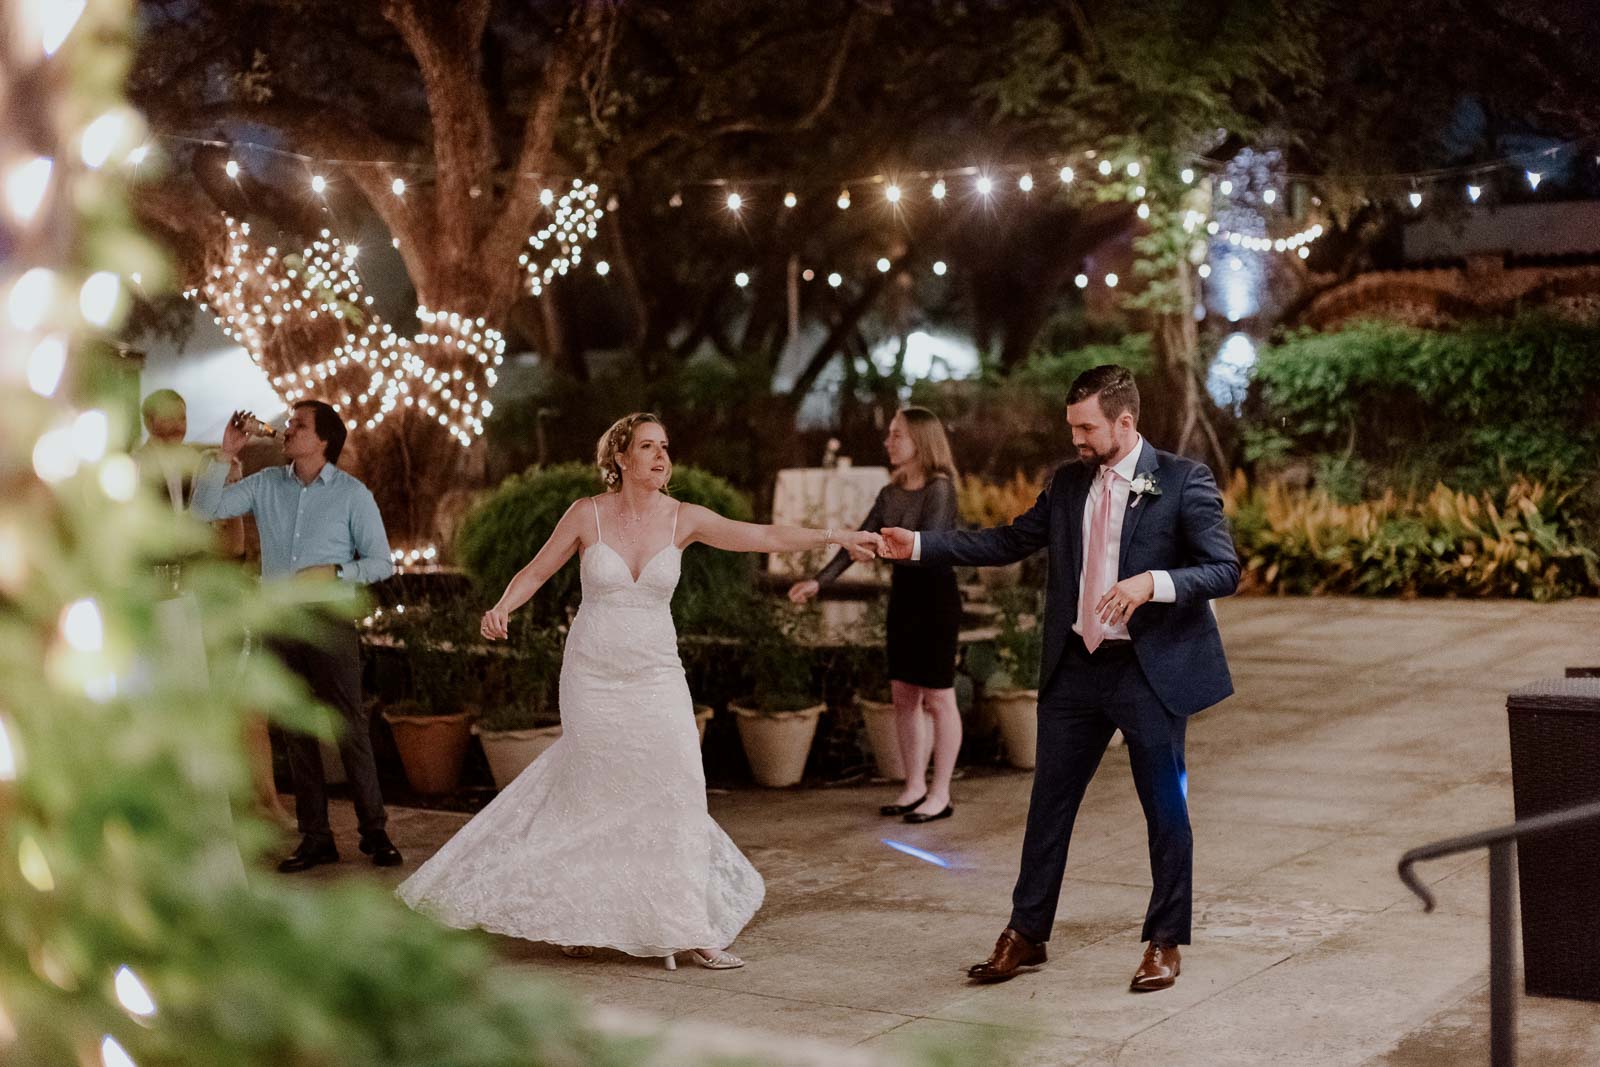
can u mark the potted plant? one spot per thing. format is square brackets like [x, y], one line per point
[778, 721]
[1012, 691]
[433, 728]
[521, 719]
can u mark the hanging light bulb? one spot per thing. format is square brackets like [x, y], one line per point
[602, 268]
[231, 169]
[939, 267]
[1105, 166]
[790, 200]
[1226, 187]
[1416, 199]
[836, 279]
[1270, 196]
[735, 202]
[741, 279]
[26, 186]
[892, 194]
[319, 184]
[883, 265]
[938, 189]
[1205, 270]
[1473, 192]
[1066, 175]
[1534, 178]
[1025, 183]
[844, 199]
[1187, 175]
[398, 187]
[985, 185]
[1081, 281]
[1111, 281]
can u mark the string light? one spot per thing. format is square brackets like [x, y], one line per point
[985, 185]
[398, 187]
[1144, 211]
[1111, 281]
[735, 202]
[99, 297]
[741, 279]
[575, 220]
[892, 194]
[790, 200]
[1473, 192]
[132, 994]
[26, 187]
[1416, 199]
[55, 457]
[1187, 176]
[883, 265]
[1204, 270]
[1534, 178]
[1025, 183]
[1081, 281]
[1269, 196]
[1133, 170]
[1066, 175]
[231, 169]
[844, 199]
[835, 279]
[91, 432]
[319, 184]
[1226, 187]
[1105, 168]
[939, 267]
[114, 1055]
[30, 299]
[938, 189]
[602, 268]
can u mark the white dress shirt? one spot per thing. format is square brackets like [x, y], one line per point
[1165, 592]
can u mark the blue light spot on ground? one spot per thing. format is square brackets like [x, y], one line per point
[912, 850]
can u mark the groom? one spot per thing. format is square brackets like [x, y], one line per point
[1138, 549]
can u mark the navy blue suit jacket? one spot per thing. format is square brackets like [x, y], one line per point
[1182, 531]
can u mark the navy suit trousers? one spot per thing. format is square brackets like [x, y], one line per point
[1088, 698]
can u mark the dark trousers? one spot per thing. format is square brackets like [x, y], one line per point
[331, 666]
[1088, 699]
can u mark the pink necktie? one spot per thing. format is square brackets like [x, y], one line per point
[1097, 576]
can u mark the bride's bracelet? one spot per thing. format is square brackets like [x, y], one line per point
[827, 536]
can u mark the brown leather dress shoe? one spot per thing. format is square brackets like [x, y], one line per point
[1158, 969]
[1011, 951]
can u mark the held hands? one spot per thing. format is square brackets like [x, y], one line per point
[800, 592]
[496, 624]
[863, 545]
[897, 543]
[1121, 599]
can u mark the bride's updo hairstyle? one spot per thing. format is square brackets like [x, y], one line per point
[616, 442]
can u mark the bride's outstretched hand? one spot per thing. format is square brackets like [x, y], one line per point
[496, 623]
[897, 543]
[863, 545]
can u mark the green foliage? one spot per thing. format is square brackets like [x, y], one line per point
[1519, 542]
[1019, 646]
[510, 525]
[1462, 405]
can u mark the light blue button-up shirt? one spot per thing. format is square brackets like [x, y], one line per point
[332, 520]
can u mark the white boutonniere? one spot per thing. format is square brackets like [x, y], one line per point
[1143, 485]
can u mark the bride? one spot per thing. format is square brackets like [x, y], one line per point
[605, 839]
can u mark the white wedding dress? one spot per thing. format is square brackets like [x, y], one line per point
[605, 839]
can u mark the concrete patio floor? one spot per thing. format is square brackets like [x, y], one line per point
[1359, 729]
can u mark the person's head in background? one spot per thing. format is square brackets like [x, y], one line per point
[166, 417]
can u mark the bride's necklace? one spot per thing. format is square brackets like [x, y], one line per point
[630, 525]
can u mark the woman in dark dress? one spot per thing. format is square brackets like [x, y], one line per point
[924, 612]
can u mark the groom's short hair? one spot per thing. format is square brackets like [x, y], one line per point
[1113, 384]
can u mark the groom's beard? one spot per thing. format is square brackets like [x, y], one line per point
[1091, 458]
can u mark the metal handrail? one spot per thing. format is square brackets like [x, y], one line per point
[1501, 843]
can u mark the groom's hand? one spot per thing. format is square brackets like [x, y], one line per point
[1121, 599]
[897, 543]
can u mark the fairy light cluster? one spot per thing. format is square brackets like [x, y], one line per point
[370, 371]
[558, 246]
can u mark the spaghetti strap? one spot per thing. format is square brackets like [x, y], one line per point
[598, 538]
[675, 513]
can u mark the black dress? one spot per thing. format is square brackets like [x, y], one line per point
[924, 604]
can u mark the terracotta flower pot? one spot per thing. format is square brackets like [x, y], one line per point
[1018, 713]
[510, 751]
[777, 742]
[432, 748]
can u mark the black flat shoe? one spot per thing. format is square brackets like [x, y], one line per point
[382, 850]
[310, 854]
[918, 817]
[901, 809]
